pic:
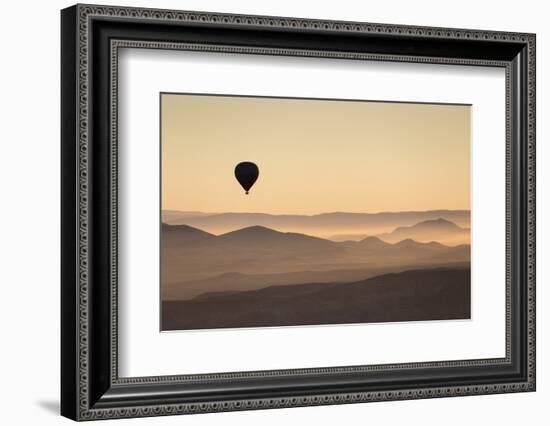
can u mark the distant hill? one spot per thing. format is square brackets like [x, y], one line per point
[261, 237]
[440, 230]
[321, 225]
[373, 243]
[415, 295]
[189, 254]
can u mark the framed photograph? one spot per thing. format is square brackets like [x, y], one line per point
[263, 212]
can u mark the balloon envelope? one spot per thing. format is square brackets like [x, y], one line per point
[246, 174]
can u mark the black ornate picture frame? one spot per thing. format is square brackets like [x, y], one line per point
[91, 38]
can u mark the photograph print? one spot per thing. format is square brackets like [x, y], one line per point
[297, 211]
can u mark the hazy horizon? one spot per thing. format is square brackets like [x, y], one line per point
[451, 227]
[313, 214]
[249, 227]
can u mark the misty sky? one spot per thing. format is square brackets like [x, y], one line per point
[314, 156]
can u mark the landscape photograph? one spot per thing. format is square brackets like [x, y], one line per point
[293, 212]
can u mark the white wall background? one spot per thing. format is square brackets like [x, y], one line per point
[29, 217]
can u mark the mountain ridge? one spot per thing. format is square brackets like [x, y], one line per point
[263, 231]
[320, 225]
[441, 230]
[193, 255]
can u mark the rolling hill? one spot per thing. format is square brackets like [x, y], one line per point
[414, 295]
[236, 281]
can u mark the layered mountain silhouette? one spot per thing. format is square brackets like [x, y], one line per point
[441, 230]
[415, 295]
[252, 270]
[196, 262]
[321, 225]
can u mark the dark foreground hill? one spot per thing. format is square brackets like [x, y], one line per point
[416, 295]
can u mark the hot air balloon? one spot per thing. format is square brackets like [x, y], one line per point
[246, 174]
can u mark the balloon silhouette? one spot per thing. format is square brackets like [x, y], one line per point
[246, 173]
